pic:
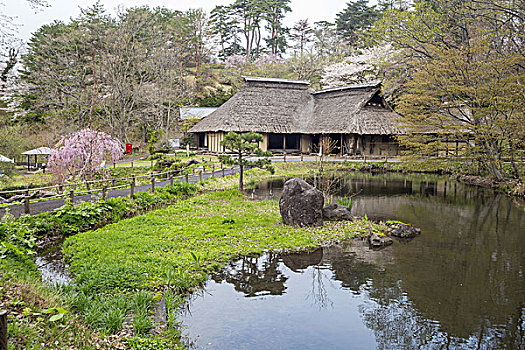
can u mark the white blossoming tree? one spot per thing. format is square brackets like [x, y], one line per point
[363, 67]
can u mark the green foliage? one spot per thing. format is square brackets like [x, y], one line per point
[216, 98]
[347, 202]
[153, 138]
[242, 146]
[354, 19]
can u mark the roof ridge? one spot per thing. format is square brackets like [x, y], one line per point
[275, 80]
[348, 87]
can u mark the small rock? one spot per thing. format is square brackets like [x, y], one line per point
[192, 162]
[336, 212]
[378, 240]
[404, 231]
[301, 204]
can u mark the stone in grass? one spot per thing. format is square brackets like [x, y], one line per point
[377, 240]
[336, 212]
[301, 204]
[401, 230]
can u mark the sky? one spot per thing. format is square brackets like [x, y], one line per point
[29, 19]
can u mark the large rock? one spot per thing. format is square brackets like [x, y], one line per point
[378, 240]
[336, 212]
[403, 231]
[301, 204]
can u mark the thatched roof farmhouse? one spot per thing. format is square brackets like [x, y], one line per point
[292, 117]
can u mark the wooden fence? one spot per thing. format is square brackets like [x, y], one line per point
[71, 190]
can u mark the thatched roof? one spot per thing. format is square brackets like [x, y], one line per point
[285, 106]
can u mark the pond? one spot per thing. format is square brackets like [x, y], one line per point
[461, 284]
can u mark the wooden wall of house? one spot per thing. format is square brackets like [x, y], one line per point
[264, 144]
[305, 143]
[214, 142]
[379, 145]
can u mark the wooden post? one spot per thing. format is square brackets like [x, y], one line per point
[112, 182]
[26, 203]
[114, 165]
[186, 177]
[104, 192]
[3, 330]
[204, 168]
[213, 171]
[200, 175]
[132, 164]
[301, 156]
[151, 163]
[233, 170]
[284, 157]
[60, 188]
[152, 183]
[171, 178]
[132, 187]
[87, 186]
[71, 196]
[193, 171]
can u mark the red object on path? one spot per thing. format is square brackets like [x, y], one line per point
[129, 148]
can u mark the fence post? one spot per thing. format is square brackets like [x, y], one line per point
[60, 188]
[132, 187]
[222, 169]
[71, 195]
[213, 171]
[193, 171]
[112, 182]
[284, 157]
[233, 170]
[152, 183]
[26, 202]
[171, 178]
[87, 186]
[301, 156]
[104, 192]
[3, 330]
[114, 165]
[186, 175]
[132, 164]
[200, 175]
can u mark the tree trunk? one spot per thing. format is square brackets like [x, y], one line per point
[241, 176]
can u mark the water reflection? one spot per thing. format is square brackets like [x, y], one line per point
[461, 284]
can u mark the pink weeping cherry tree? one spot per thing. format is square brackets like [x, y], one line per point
[82, 154]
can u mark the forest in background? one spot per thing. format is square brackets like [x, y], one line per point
[451, 67]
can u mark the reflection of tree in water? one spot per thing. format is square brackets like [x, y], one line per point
[470, 274]
[466, 273]
[398, 324]
[254, 276]
[318, 293]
